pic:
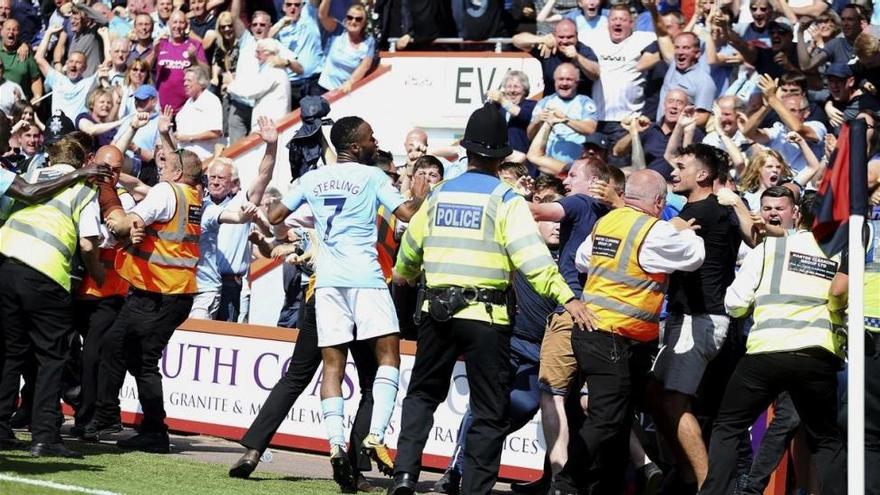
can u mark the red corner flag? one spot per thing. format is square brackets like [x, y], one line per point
[832, 200]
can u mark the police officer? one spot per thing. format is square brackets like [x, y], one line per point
[791, 347]
[472, 233]
[35, 303]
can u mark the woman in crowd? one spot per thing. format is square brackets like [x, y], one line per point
[350, 49]
[100, 121]
[226, 42]
[138, 73]
[173, 56]
[511, 97]
[765, 170]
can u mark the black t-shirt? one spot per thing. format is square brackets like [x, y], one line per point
[549, 65]
[702, 291]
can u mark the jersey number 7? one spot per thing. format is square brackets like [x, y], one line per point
[337, 203]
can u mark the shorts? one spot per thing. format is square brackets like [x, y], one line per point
[689, 342]
[558, 367]
[341, 310]
[205, 305]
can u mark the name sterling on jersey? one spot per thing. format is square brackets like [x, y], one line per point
[334, 185]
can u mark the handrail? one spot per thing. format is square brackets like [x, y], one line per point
[498, 42]
[262, 265]
[253, 140]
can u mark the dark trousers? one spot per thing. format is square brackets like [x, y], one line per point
[872, 415]
[811, 379]
[525, 396]
[37, 316]
[135, 343]
[230, 298]
[615, 369]
[92, 318]
[486, 351]
[776, 440]
[303, 365]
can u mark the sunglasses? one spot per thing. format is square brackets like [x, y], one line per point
[353, 18]
[293, 4]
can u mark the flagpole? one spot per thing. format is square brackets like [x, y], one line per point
[856, 351]
[858, 172]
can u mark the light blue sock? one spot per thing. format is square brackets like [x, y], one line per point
[333, 410]
[384, 397]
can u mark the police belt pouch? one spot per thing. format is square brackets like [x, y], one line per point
[444, 303]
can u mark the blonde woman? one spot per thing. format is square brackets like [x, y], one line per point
[349, 51]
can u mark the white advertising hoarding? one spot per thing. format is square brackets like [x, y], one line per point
[216, 384]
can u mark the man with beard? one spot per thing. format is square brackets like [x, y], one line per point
[344, 199]
[570, 115]
[69, 90]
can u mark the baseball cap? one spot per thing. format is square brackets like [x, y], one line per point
[145, 91]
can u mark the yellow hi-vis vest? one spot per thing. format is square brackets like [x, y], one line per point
[467, 235]
[791, 302]
[44, 236]
[626, 299]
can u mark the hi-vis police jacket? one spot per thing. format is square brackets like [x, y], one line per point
[474, 231]
[787, 279]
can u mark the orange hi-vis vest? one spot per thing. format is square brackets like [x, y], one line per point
[626, 299]
[165, 261]
[114, 284]
[386, 244]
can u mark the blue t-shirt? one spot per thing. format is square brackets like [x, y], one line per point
[581, 213]
[207, 274]
[342, 59]
[565, 144]
[343, 199]
[6, 178]
[68, 96]
[303, 39]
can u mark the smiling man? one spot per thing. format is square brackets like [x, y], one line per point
[70, 89]
[572, 116]
[688, 76]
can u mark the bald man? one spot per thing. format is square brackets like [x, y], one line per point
[96, 305]
[625, 270]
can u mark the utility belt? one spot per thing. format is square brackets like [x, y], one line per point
[445, 302]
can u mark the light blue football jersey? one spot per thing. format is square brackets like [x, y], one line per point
[344, 198]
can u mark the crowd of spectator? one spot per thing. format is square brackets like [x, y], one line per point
[756, 91]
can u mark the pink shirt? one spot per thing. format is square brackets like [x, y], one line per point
[170, 66]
